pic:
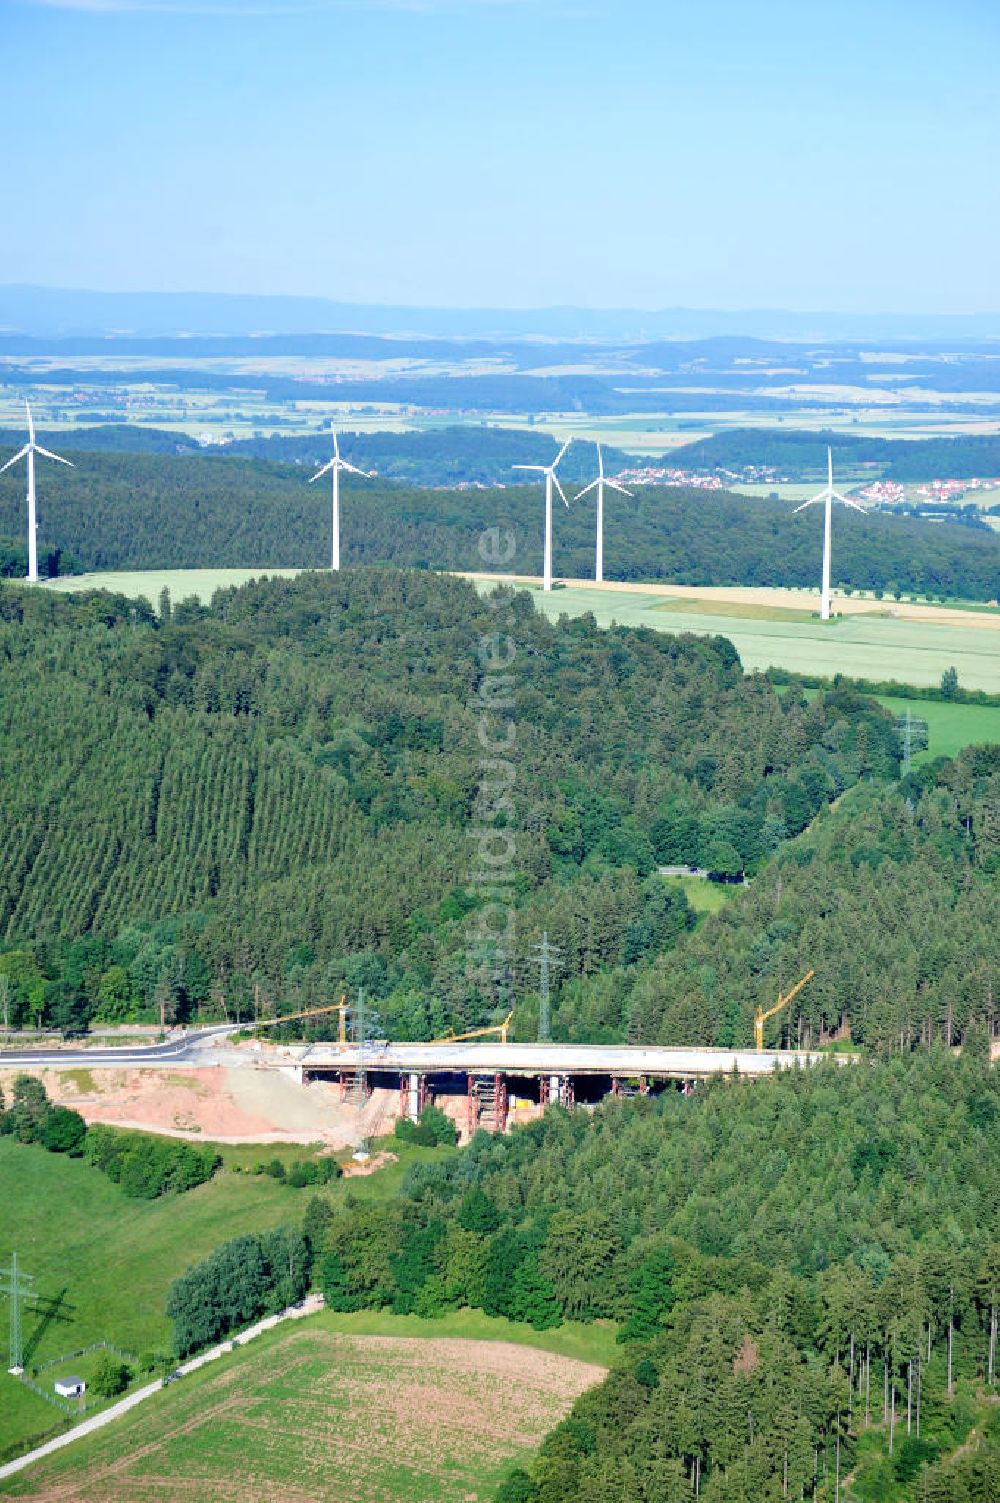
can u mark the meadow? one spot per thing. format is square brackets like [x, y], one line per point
[102, 1263]
[328, 1415]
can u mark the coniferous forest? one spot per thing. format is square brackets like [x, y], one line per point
[108, 513]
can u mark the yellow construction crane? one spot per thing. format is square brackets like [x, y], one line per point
[478, 1033]
[313, 1012]
[760, 1017]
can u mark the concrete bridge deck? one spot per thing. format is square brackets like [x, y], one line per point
[616, 1060]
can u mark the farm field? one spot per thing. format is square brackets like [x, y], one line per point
[180, 582]
[104, 1262]
[327, 1415]
[860, 645]
[914, 646]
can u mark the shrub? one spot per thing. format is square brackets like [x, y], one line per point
[110, 1376]
[63, 1131]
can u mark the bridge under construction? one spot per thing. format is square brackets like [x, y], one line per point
[499, 1077]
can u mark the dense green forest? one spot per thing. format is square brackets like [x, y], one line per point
[893, 898]
[110, 513]
[278, 791]
[801, 454]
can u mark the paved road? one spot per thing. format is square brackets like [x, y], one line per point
[309, 1306]
[179, 1047]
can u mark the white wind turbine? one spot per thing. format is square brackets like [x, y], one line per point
[551, 478]
[31, 449]
[336, 464]
[601, 481]
[828, 495]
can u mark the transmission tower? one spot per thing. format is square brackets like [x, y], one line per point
[17, 1287]
[907, 740]
[547, 958]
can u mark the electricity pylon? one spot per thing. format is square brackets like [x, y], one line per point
[546, 956]
[17, 1287]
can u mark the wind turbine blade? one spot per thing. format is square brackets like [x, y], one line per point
[49, 455]
[829, 467]
[600, 463]
[614, 486]
[811, 502]
[847, 501]
[319, 473]
[587, 488]
[555, 480]
[19, 455]
[336, 445]
[539, 469]
[31, 426]
[562, 451]
[365, 474]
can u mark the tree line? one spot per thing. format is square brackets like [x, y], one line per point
[143, 1165]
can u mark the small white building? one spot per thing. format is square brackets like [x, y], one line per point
[70, 1388]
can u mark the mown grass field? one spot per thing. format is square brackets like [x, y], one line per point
[103, 1263]
[308, 1411]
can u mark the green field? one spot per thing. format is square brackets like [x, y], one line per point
[308, 1411]
[104, 1262]
[181, 583]
[703, 896]
[950, 727]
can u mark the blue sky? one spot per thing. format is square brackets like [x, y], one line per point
[608, 153]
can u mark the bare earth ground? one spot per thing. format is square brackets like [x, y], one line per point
[318, 1415]
[224, 1104]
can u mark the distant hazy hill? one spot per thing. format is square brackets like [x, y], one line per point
[56, 310]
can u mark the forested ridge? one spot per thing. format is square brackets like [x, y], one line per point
[802, 453]
[470, 454]
[278, 790]
[145, 511]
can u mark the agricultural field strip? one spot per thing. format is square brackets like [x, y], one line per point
[310, 1306]
[466, 1404]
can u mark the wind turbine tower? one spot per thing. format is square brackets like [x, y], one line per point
[30, 450]
[828, 495]
[551, 479]
[600, 483]
[335, 465]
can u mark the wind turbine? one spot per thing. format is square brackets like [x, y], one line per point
[31, 449]
[551, 478]
[336, 464]
[600, 483]
[828, 495]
